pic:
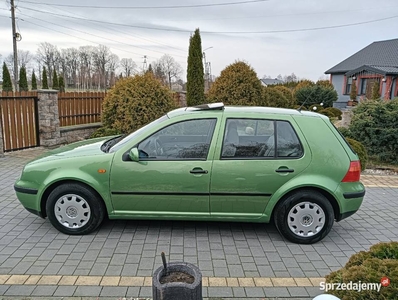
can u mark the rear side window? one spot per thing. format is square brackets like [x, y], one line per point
[288, 143]
[343, 138]
[256, 139]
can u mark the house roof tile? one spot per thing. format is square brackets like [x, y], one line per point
[378, 54]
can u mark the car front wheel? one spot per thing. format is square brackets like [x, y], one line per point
[304, 217]
[74, 209]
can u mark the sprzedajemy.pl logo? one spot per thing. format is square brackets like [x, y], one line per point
[355, 286]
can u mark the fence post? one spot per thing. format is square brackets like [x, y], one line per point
[48, 115]
[1, 137]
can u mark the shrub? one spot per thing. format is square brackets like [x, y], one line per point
[316, 108]
[274, 98]
[304, 84]
[315, 95]
[103, 131]
[353, 93]
[369, 267]
[374, 124]
[360, 150]
[334, 112]
[238, 84]
[134, 102]
[346, 132]
[288, 93]
[325, 83]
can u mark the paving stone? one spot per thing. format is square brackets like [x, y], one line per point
[44, 290]
[19, 290]
[112, 291]
[87, 291]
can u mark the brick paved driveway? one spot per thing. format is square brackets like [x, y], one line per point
[237, 259]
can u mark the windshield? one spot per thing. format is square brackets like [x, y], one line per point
[132, 135]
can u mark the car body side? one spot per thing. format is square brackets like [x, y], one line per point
[323, 148]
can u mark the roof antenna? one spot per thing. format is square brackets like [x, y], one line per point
[305, 101]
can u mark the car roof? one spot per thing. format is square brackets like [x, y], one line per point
[243, 110]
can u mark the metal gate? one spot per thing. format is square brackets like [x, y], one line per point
[20, 122]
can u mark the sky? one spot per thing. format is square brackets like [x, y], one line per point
[273, 36]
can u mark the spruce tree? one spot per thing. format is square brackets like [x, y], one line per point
[44, 84]
[7, 83]
[55, 81]
[61, 84]
[195, 73]
[375, 91]
[34, 81]
[23, 80]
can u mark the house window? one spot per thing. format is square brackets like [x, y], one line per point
[348, 85]
[363, 86]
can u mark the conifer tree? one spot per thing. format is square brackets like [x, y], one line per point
[23, 80]
[34, 81]
[61, 84]
[44, 84]
[7, 83]
[55, 85]
[195, 73]
[353, 93]
[375, 91]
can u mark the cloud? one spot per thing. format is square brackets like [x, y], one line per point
[307, 53]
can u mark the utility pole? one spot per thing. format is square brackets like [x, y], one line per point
[14, 43]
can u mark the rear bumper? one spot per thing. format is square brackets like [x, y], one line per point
[350, 196]
[353, 195]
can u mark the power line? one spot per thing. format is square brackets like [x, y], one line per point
[151, 7]
[80, 38]
[292, 14]
[228, 32]
[128, 34]
[94, 35]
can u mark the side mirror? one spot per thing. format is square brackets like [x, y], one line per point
[134, 155]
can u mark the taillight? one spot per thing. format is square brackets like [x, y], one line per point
[353, 173]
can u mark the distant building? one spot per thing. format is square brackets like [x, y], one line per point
[270, 81]
[377, 62]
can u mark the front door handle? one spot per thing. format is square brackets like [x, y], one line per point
[282, 170]
[198, 171]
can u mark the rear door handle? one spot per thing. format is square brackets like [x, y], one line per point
[284, 171]
[198, 171]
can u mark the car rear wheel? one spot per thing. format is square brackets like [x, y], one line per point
[74, 209]
[304, 217]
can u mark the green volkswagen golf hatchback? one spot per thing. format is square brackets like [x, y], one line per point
[209, 163]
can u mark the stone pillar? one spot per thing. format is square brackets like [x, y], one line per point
[48, 118]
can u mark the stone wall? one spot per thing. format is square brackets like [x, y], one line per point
[70, 134]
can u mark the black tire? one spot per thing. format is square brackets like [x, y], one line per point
[281, 215]
[88, 200]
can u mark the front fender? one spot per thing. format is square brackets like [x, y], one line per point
[99, 183]
[304, 181]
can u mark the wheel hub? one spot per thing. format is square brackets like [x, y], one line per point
[306, 219]
[72, 211]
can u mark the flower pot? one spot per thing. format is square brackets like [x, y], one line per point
[184, 289]
[350, 102]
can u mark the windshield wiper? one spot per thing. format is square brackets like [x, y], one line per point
[106, 146]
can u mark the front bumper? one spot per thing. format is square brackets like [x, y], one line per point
[29, 199]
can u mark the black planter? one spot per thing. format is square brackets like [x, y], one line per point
[177, 290]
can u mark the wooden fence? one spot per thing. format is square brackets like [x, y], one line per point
[19, 117]
[77, 108]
